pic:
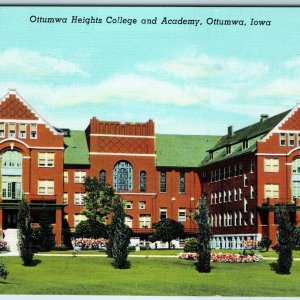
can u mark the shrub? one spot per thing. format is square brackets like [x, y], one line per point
[3, 246]
[3, 271]
[265, 243]
[45, 232]
[91, 229]
[297, 238]
[191, 245]
[61, 248]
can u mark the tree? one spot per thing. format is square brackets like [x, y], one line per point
[202, 219]
[98, 199]
[119, 234]
[25, 233]
[296, 238]
[45, 232]
[265, 243]
[167, 230]
[285, 238]
[91, 229]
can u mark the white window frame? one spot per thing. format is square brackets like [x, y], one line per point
[48, 186]
[129, 204]
[79, 218]
[271, 165]
[251, 191]
[21, 131]
[48, 157]
[291, 139]
[181, 214]
[271, 191]
[163, 210]
[240, 194]
[282, 139]
[2, 129]
[142, 205]
[11, 130]
[65, 198]
[33, 131]
[79, 198]
[79, 176]
[144, 221]
[66, 176]
[252, 218]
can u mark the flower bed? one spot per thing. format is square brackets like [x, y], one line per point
[249, 245]
[227, 257]
[89, 244]
[4, 246]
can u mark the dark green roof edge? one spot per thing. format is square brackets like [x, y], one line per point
[76, 148]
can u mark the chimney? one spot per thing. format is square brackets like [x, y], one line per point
[263, 117]
[230, 131]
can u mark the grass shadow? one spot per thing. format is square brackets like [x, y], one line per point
[34, 263]
[5, 282]
[126, 266]
[274, 267]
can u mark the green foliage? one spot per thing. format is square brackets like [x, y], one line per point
[285, 240]
[46, 238]
[191, 245]
[265, 243]
[25, 233]
[3, 271]
[167, 230]
[119, 235]
[66, 234]
[91, 229]
[297, 238]
[98, 199]
[202, 218]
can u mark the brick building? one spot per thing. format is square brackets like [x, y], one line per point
[243, 174]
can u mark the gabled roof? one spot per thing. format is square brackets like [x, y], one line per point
[251, 131]
[76, 148]
[182, 150]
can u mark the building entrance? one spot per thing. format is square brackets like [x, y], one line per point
[10, 219]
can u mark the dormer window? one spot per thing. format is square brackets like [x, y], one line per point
[211, 155]
[228, 149]
[245, 144]
[12, 130]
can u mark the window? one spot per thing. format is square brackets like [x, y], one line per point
[216, 198]
[181, 182]
[212, 176]
[225, 219]
[251, 192]
[220, 220]
[240, 194]
[211, 155]
[212, 198]
[123, 176]
[162, 213]
[216, 175]
[79, 199]
[12, 130]
[235, 194]
[235, 170]
[181, 214]
[251, 166]
[298, 138]
[143, 178]
[45, 187]
[220, 197]
[235, 218]
[282, 139]
[102, 177]
[2, 129]
[225, 196]
[163, 182]
[129, 204]
[221, 174]
[240, 168]
[228, 149]
[22, 131]
[245, 144]
[245, 180]
[271, 165]
[216, 220]
[142, 204]
[79, 176]
[252, 218]
[229, 219]
[245, 205]
[225, 172]
[46, 159]
[66, 177]
[66, 198]
[240, 217]
[128, 221]
[271, 191]
[33, 131]
[145, 221]
[291, 139]
[212, 220]
[78, 218]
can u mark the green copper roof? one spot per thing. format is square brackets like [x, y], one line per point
[251, 131]
[182, 150]
[76, 148]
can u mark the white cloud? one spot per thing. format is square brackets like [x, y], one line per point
[22, 62]
[293, 63]
[129, 88]
[193, 65]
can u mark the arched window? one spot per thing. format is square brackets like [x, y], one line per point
[143, 178]
[102, 176]
[123, 176]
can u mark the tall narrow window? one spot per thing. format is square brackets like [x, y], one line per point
[245, 144]
[282, 139]
[33, 131]
[102, 177]
[240, 194]
[229, 195]
[251, 166]
[251, 191]
[291, 139]
[240, 168]
[252, 218]
[162, 213]
[212, 198]
[12, 130]
[228, 149]
[163, 182]
[65, 198]
[143, 181]
[245, 205]
[245, 180]
[66, 177]
[22, 131]
[182, 182]
[2, 129]
[181, 214]
[123, 176]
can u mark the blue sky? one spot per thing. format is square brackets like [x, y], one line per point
[190, 80]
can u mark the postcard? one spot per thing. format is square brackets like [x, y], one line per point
[149, 151]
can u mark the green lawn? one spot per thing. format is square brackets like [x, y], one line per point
[147, 276]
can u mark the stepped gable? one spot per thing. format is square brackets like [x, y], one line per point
[292, 122]
[11, 107]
